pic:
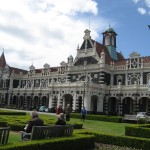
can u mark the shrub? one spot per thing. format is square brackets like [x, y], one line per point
[12, 113]
[3, 124]
[99, 117]
[75, 142]
[137, 131]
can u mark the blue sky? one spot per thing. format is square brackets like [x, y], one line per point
[49, 31]
[129, 19]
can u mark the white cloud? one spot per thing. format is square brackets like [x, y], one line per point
[45, 31]
[142, 11]
[147, 3]
[136, 1]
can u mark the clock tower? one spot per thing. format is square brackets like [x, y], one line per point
[109, 40]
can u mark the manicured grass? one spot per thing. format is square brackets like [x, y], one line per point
[99, 126]
[14, 137]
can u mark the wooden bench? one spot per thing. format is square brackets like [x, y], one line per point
[4, 134]
[130, 118]
[46, 132]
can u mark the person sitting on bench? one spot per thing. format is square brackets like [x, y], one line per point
[35, 121]
[61, 119]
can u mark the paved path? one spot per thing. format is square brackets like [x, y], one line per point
[46, 113]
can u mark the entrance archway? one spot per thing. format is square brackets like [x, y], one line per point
[21, 101]
[14, 101]
[36, 103]
[79, 104]
[68, 99]
[144, 104]
[127, 105]
[94, 100]
[112, 106]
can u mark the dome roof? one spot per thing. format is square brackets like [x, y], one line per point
[110, 30]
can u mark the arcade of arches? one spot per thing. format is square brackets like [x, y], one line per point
[111, 105]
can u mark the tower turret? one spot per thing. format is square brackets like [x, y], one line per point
[109, 40]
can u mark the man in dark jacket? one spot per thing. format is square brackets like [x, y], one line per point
[35, 121]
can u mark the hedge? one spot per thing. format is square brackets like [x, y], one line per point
[99, 117]
[138, 131]
[75, 142]
[12, 113]
[123, 141]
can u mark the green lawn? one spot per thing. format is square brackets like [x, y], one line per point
[99, 126]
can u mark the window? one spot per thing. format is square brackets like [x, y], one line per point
[4, 84]
[119, 79]
[95, 76]
[74, 77]
[107, 40]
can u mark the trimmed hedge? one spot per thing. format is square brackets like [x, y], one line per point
[16, 127]
[3, 124]
[138, 131]
[75, 142]
[123, 141]
[99, 117]
[12, 113]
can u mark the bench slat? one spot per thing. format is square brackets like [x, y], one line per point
[46, 132]
[4, 134]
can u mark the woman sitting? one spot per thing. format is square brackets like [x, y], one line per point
[61, 119]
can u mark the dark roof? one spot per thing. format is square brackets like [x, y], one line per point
[101, 48]
[146, 59]
[2, 61]
[88, 44]
[17, 70]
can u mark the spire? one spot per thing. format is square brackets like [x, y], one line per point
[2, 60]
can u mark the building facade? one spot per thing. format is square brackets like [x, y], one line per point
[99, 78]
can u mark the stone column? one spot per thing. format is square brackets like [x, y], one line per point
[58, 102]
[50, 100]
[135, 104]
[112, 79]
[119, 105]
[141, 79]
[74, 102]
[126, 79]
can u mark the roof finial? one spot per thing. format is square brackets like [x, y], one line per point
[89, 22]
[3, 50]
[109, 23]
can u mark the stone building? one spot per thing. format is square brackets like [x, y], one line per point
[99, 78]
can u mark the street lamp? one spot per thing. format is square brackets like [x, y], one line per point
[84, 82]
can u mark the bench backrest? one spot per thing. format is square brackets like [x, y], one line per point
[4, 134]
[46, 132]
[130, 117]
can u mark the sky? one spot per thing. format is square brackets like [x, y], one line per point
[36, 32]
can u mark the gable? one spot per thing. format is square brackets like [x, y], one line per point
[86, 60]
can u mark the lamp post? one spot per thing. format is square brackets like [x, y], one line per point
[119, 103]
[84, 83]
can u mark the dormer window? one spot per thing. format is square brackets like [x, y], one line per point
[32, 71]
[134, 61]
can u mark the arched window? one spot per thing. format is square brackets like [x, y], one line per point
[107, 40]
[113, 41]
